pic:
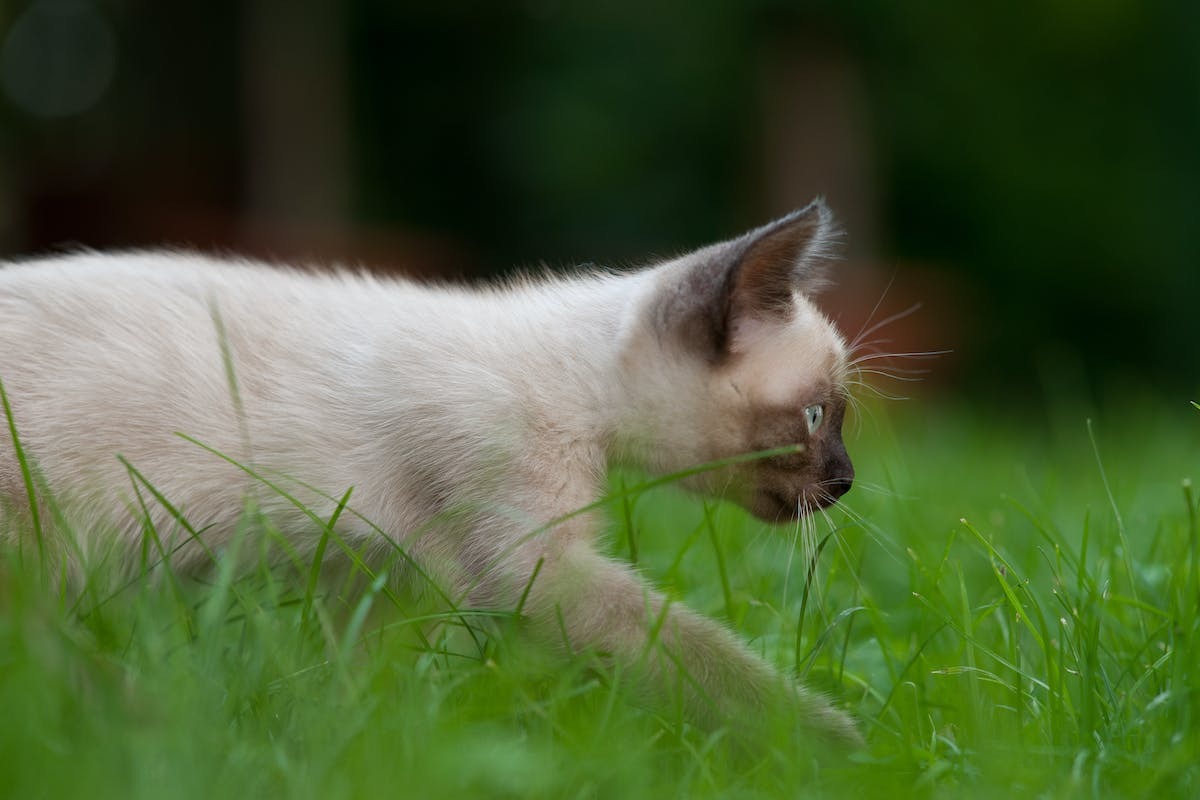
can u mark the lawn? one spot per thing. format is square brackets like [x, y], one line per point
[1009, 605]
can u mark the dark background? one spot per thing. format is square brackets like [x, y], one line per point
[1029, 171]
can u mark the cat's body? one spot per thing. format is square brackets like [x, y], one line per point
[468, 423]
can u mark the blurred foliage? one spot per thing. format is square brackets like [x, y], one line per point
[1048, 150]
[554, 131]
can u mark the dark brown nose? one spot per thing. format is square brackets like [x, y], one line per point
[841, 474]
[840, 485]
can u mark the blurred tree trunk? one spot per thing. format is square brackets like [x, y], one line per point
[10, 225]
[296, 114]
[817, 136]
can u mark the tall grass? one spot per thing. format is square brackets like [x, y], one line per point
[1008, 608]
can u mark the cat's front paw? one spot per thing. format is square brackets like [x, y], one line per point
[821, 719]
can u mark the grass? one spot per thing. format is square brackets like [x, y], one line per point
[1011, 608]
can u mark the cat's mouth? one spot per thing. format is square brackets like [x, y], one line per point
[788, 509]
[778, 507]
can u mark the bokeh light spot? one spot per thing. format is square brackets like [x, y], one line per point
[58, 58]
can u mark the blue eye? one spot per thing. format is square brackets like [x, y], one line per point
[813, 415]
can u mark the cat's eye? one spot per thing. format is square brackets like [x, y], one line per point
[813, 415]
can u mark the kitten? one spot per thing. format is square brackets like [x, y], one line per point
[469, 423]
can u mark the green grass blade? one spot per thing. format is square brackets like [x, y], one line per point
[26, 469]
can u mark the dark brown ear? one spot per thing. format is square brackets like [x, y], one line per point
[753, 277]
[786, 256]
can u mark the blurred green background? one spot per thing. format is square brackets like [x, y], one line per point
[1028, 171]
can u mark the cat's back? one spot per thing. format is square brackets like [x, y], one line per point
[154, 305]
[112, 353]
[169, 286]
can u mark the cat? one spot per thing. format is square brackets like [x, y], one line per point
[470, 425]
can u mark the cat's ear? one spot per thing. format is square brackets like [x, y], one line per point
[746, 282]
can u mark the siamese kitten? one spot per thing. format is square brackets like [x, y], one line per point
[469, 423]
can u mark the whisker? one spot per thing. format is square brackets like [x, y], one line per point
[811, 552]
[863, 332]
[839, 540]
[910, 378]
[876, 390]
[873, 343]
[873, 531]
[890, 367]
[861, 484]
[887, 320]
[920, 355]
[787, 573]
[864, 384]
[859, 409]
[881, 490]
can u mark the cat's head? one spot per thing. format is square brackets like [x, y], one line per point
[744, 363]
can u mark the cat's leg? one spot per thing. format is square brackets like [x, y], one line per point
[593, 602]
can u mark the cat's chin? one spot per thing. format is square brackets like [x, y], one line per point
[777, 509]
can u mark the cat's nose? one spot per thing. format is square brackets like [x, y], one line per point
[842, 480]
[839, 486]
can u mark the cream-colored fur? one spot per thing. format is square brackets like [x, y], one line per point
[466, 421]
